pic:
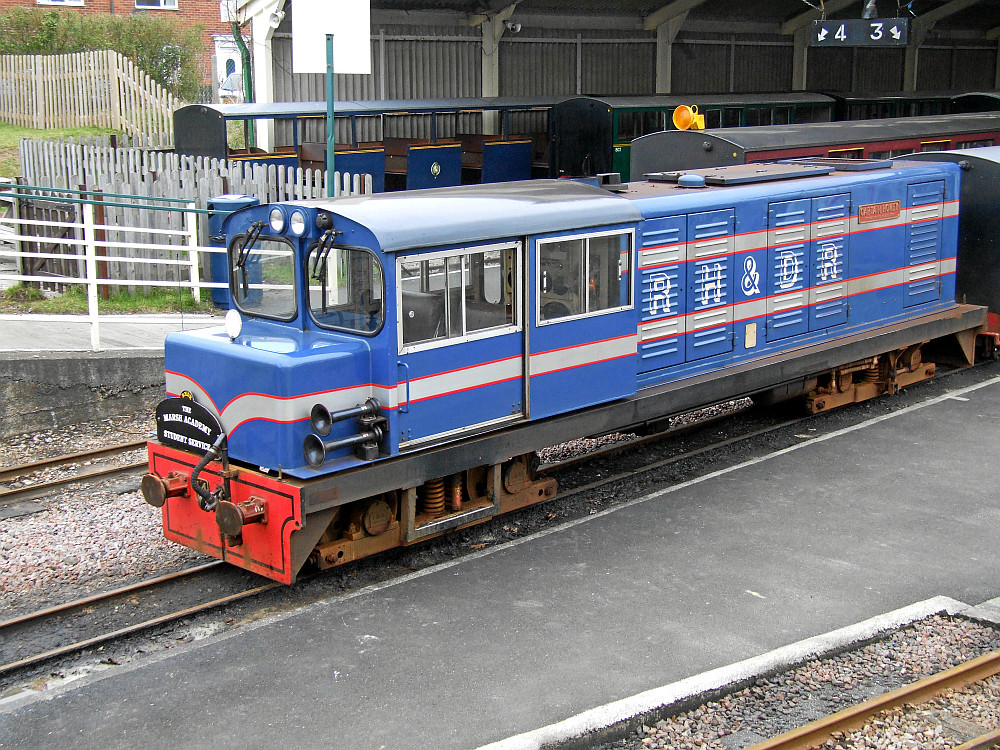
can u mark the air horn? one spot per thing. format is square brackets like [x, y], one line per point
[372, 425]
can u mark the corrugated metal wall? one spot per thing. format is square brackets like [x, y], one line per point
[974, 69]
[934, 69]
[537, 69]
[762, 67]
[700, 68]
[829, 69]
[956, 68]
[877, 69]
[422, 62]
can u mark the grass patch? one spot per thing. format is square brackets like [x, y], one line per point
[10, 161]
[24, 298]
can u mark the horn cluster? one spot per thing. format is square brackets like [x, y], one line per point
[372, 430]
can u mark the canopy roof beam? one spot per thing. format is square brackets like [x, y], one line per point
[667, 22]
[676, 9]
[492, 26]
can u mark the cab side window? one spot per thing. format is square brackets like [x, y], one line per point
[453, 296]
[583, 275]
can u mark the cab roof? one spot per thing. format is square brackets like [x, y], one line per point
[471, 213]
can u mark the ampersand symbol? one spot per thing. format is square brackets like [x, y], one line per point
[751, 279]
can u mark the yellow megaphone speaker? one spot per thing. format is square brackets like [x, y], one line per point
[687, 118]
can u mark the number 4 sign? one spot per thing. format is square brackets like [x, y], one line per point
[861, 32]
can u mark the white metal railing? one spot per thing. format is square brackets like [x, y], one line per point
[85, 239]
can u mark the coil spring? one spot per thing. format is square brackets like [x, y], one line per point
[874, 374]
[433, 497]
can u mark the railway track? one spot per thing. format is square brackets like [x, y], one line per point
[13, 474]
[836, 726]
[68, 628]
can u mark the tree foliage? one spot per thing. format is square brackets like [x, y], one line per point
[170, 54]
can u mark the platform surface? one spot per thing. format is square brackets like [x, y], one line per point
[841, 528]
[72, 333]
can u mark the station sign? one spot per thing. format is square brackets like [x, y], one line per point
[861, 32]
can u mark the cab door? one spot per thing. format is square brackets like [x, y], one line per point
[582, 329]
[460, 341]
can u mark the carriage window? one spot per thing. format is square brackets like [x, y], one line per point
[757, 116]
[262, 276]
[454, 296]
[974, 144]
[891, 153]
[631, 125]
[935, 145]
[583, 275]
[713, 118]
[345, 289]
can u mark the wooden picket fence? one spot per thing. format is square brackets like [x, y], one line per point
[123, 165]
[99, 89]
[118, 175]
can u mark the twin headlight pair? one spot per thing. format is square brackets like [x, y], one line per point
[296, 223]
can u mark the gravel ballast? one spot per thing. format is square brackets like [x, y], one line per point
[90, 537]
[822, 687]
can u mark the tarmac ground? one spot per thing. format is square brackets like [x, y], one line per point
[540, 638]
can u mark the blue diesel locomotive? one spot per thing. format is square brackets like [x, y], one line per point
[395, 360]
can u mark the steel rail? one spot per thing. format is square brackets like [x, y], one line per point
[9, 473]
[817, 732]
[990, 739]
[33, 491]
[123, 591]
[150, 585]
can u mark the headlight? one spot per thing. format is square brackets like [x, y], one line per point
[297, 223]
[234, 324]
[277, 220]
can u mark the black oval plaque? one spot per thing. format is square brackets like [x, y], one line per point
[186, 424]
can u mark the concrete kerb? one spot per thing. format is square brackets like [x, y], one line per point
[616, 720]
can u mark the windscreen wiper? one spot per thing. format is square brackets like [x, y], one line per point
[323, 249]
[244, 253]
